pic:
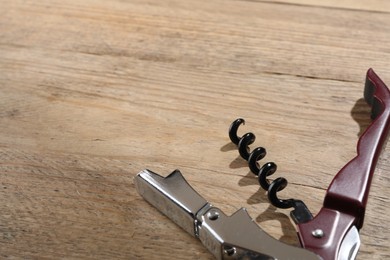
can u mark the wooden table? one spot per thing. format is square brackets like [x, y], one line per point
[92, 92]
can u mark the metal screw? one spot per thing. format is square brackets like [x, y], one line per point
[318, 233]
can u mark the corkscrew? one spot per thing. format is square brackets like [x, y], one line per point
[332, 234]
[301, 213]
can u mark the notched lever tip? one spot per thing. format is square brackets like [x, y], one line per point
[172, 195]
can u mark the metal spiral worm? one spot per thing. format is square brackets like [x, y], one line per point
[300, 213]
[242, 142]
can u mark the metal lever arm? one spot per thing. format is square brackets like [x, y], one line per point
[346, 198]
[226, 237]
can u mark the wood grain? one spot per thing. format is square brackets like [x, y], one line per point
[92, 92]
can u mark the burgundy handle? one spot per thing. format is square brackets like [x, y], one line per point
[346, 198]
[348, 191]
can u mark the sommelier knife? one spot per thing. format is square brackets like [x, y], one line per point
[331, 234]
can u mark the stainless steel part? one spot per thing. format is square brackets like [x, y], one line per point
[226, 237]
[350, 246]
[173, 196]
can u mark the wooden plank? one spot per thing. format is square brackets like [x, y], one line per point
[92, 92]
[267, 36]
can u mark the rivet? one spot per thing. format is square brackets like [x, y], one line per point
[318, 233]
[213, 215]
[229, 250]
